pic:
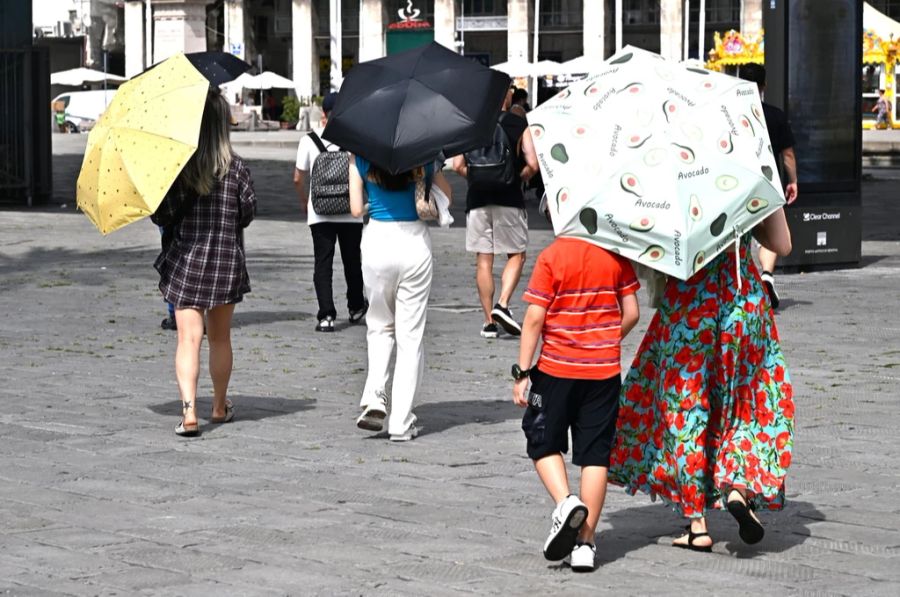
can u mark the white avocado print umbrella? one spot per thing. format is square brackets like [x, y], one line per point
[662, 163]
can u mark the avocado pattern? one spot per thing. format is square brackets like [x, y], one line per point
[579, 131]
[655, 157]
[652, 253]
[632, 88]
[699, 261]
[637, 139]
[622, 59]
[537, 131]
[684, 153]
[767, 172]
[745, 122]
[669, 109]
[694, 209]
[592, 89]
[718, 225]
[643, 224]
[726, 182]
[756, 204]
[758, 115]
[558, 153]
[631, 185]
[561, 196]
[726, 144]
[588, 218]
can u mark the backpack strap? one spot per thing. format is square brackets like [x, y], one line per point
[315, 139]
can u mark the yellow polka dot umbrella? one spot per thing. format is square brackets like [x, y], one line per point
[140, 144]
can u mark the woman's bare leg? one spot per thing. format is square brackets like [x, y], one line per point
[218, 332]
[187, 360]
[698, 525]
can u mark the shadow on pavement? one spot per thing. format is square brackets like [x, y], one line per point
[636, 528]
[249, 318]
[246, 408]
[435, 417]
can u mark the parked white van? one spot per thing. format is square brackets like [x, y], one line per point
[83, 108]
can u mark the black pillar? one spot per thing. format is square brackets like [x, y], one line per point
[813, 62]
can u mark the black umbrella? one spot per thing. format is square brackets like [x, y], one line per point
[402, 111]
[218, 67]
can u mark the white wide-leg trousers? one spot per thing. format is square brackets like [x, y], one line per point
[397, 268]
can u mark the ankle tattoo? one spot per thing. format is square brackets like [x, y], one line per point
[186, 405]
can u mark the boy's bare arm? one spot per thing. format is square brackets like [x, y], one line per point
[631, 313]
[531, 332]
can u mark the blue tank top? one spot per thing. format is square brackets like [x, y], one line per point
[390, 206]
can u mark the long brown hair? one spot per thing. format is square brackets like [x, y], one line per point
[212, 159]
[394, 182]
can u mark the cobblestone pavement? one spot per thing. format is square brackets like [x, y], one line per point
[99, 497]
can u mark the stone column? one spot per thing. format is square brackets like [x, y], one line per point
[670, 29]
[305, 56]
[594, 32]
[235, 41]
[371, 30]
[337, 44]
[519, 22]
[134, 37]
[445, 23]
[179, 26]
[751, 17]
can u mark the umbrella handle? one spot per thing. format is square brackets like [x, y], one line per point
[737, 256]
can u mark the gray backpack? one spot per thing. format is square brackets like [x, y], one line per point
[329, 181]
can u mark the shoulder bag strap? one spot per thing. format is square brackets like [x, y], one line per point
[315, 139]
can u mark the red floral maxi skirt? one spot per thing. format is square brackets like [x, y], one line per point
[707, 404]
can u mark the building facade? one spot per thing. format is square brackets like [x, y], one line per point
[315, 42]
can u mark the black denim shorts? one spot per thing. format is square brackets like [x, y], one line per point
[586, 406]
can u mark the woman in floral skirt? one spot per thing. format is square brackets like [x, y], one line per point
[706, 411]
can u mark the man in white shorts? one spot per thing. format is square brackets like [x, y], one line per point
[496, 222]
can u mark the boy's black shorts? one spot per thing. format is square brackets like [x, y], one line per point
[588, 406]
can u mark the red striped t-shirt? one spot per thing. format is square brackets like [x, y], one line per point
[580, 285]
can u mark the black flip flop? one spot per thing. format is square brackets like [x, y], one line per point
[749, 528]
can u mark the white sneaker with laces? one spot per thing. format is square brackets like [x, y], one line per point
[566, 521]
[411, 432]
[582, 559]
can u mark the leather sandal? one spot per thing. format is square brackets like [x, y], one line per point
[189, 430]
[690, 542]
[229, 414]
[750, 528]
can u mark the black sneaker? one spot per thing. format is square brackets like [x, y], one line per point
[769, 281]
[503, 316]
[169, 324]
[356, 316]
[489, 330]
[326, 324]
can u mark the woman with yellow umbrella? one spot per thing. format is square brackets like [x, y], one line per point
[202, 266]
[162, 148]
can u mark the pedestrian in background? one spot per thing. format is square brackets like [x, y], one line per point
[397, 269]
[202, 266]
[706, 413]
[781, 140]
[882, 111]
[496, 221]
[329, 230]
[582, 304]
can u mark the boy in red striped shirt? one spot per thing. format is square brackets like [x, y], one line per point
[581, 303]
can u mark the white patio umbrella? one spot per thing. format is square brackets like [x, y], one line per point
[79, 76]
[543, 68]
[515, 68]
[581, 65]
[264, 80]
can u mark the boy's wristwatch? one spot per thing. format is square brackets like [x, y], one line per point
[518, 373]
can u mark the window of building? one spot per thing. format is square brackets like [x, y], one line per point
[487, 8]
[561, 13]
[719, 11]
[640, 12]
[889, 7]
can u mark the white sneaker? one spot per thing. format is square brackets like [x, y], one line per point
[582, 559]
[566, 521]
[411, 432]
[373, 415]
[768, 281]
